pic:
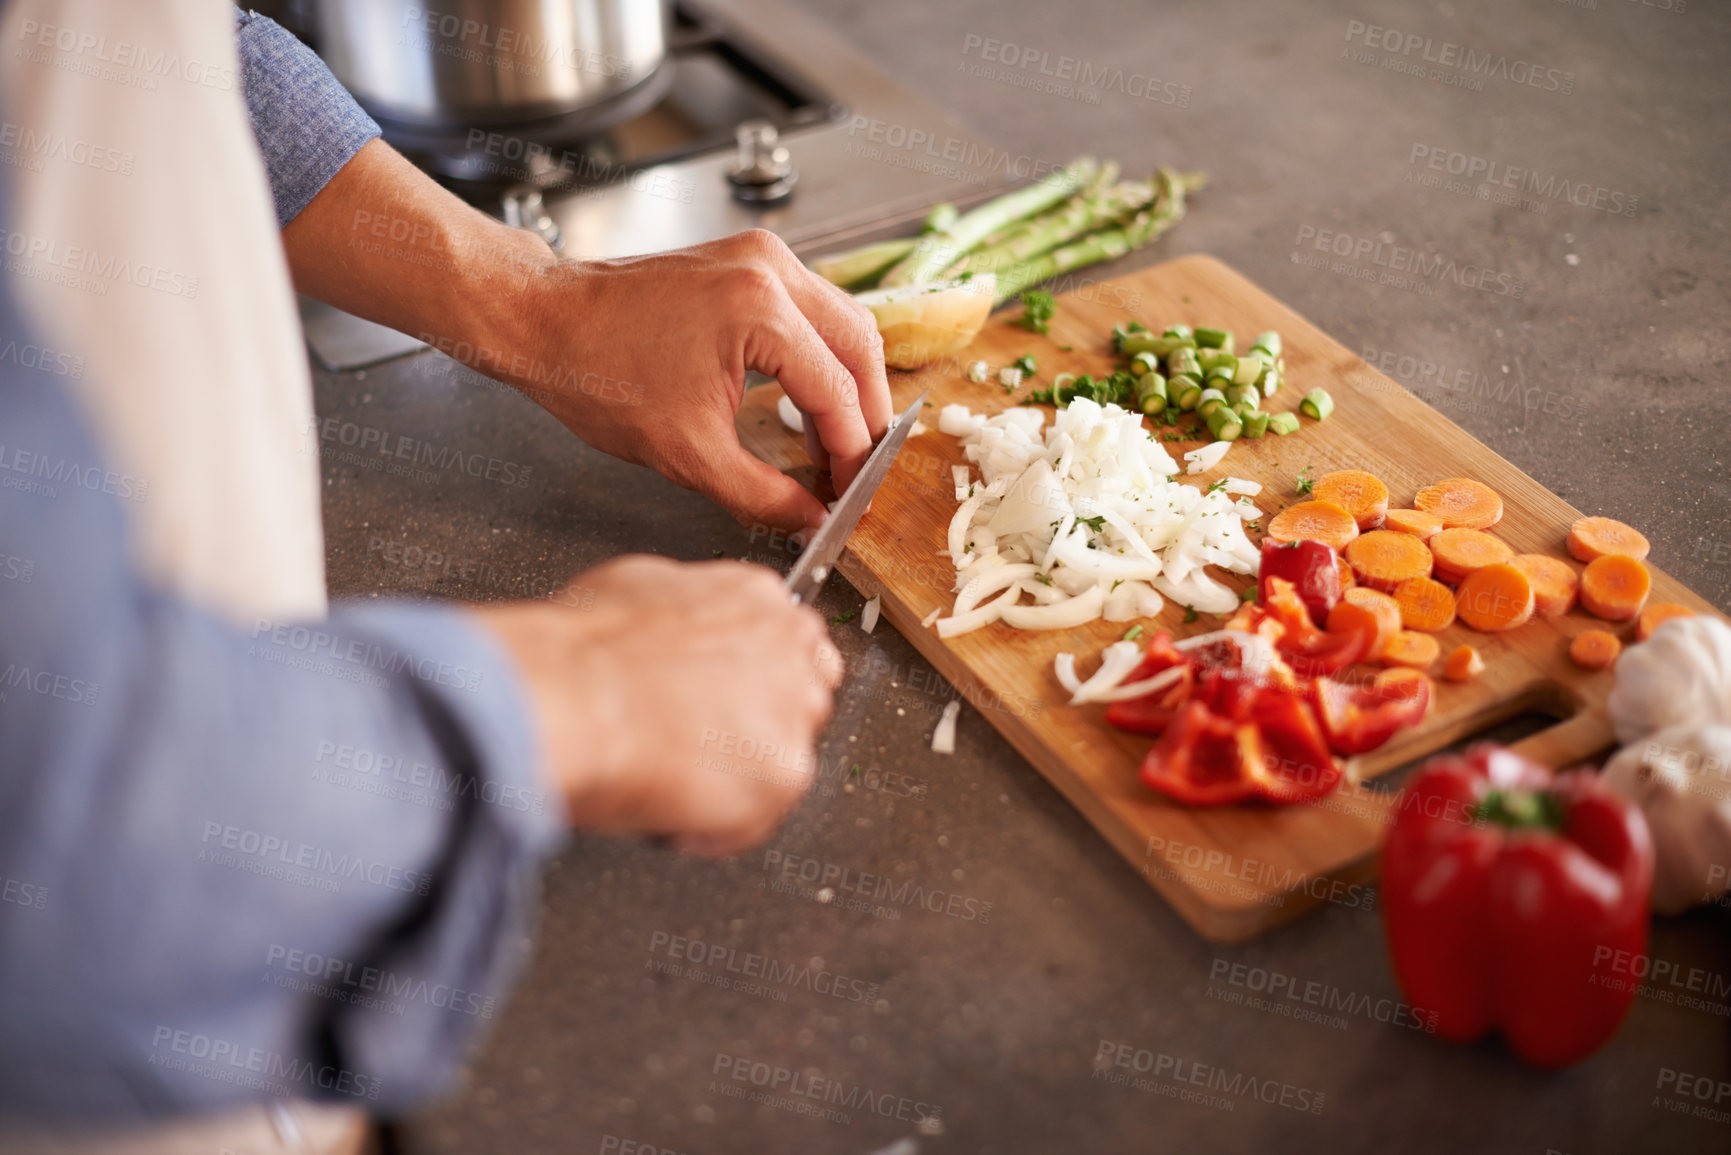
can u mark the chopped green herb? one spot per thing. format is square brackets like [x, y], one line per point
[1038, 306]
[1025, 363]
[1216, 487]
[842, 618]
[1132, 633]
[1305, 482]
[1096, 523]
[853, 771]
[1190, 613]
[1247, 594]
[714, 553]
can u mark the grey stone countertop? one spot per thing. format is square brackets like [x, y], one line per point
[1604, 376]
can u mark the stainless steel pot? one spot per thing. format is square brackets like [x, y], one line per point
[433, 72]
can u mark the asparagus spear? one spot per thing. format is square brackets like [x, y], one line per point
[933, 253]
[1098, 185]
[1106, 244]
[1076, 217]
[859, 268]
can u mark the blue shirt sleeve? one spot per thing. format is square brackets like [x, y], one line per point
[292, 859]
[307, 124]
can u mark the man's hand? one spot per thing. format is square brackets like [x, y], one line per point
[644, 358]
[685, 701]
[666, 340]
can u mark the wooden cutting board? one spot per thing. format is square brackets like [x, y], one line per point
[1232, 872]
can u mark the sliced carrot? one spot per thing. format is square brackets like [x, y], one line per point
[1321, 521]
[1347, 581]
[1592, 538]
[1463, 502]
[1359, 493]
[1656, 614]
[1495, 597]
[1347, 618]
[1425, 604]
[1383, 559]
[1460, 551]
[1463, 664]
[1383, 608]
[1595, 649]
[1615, 587]
[1407, 648]
[1414, 521]
[1554, 582]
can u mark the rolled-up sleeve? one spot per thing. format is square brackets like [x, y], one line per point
[294, 859]
[307, 124]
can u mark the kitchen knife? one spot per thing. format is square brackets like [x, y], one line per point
[809, 572]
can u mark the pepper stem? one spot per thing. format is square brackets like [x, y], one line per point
[1521, 809]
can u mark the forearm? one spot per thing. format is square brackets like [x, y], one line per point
[381, 240]
[202, 812]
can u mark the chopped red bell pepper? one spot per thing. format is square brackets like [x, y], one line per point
[1310, 651]
[1152, 713]
[1311, 568]
[1359, 718]
[1506, 892]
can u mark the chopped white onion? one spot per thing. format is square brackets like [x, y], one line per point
[960, 475]
[1240, 486]
[868, 617]
[1009, 376]
[1206, 458]
[977, 372]
[1137, 689]
[926, 622]
[790, 414]
[1064, 665]
[1086, 517]
[944, 736]
[1116, 662]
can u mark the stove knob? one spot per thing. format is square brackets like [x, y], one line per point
[762, 174]
[524, 209]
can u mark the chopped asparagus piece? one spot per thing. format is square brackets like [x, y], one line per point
[1268, 343]
[1214, 339]
[1180, 331]
[1250, 368]
[1224, 424]
[1209, 401]
[1187, 396]
[1151, 393]
[1269, 382]
[1255, 423]
[860, 268]
[1283, 423]
[1317, 403]
[1236, 393]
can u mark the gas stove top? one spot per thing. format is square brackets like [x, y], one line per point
[747, 78]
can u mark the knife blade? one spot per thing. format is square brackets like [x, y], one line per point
[812, 569]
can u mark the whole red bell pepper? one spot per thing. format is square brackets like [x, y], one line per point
[1505, 888]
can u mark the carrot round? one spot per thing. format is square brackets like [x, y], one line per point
[1615, 587]
[1592, 538]
[1383, 559]
[1554, 582]
[1414, 521]
[1384, 612]
[1407, 648]
[1463, 502]
[1359, 493]
[1463, 664]
[1459, 551]
[1425, 604]
[1495, 597]
[1595, 649]
[1656, 614]
[1321, 521]
[1347, 581]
